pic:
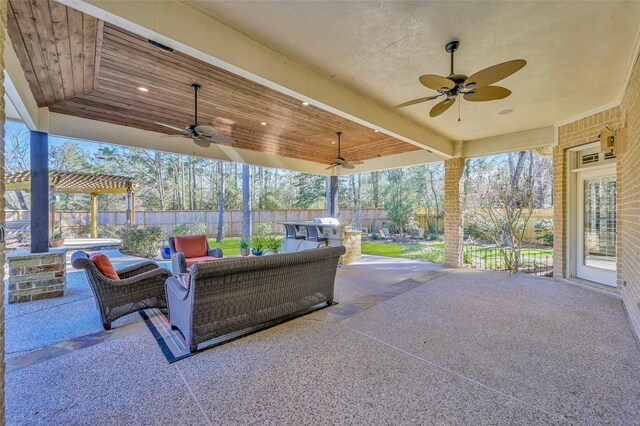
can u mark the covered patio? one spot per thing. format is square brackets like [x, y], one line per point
[407, 341]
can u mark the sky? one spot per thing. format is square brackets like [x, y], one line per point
[91, 147]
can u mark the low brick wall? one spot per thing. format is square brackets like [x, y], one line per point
[35, 276]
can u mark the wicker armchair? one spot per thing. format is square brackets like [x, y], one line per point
[240, 294]
[140, 286]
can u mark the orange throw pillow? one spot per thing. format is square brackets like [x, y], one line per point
[104, 265]
[191, 245]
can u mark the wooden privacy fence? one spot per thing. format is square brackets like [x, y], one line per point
[167, 220]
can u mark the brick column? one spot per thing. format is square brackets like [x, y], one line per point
[453, 227]
[3, 28]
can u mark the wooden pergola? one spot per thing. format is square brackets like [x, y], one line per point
[79, 183]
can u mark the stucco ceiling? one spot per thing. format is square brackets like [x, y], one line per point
[578, 53]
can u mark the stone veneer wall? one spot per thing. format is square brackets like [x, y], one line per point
[352, 241]
[36, 276]
[453, 219]
[628, 183]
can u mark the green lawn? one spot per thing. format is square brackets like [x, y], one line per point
[417, 251]
[229, 246]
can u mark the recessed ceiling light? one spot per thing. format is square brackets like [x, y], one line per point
[506, 111]
[305, 103]
[376, 130]
[143, 89]
[263, 123]
[333, 142]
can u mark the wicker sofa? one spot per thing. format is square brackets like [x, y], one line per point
[239, 294]
[140, 286]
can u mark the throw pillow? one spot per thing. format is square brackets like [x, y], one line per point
[104, 265]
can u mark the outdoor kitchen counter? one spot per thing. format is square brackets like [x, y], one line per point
[336, 235]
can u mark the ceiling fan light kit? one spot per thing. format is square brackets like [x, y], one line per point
[476, 88]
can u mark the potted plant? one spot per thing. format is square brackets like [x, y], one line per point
[273, 243]
[56, 240]
[258, 244]
[244, 247]
[165, 251]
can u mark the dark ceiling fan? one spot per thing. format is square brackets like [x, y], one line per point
[341, 162]
[476, 88]
[201, 134]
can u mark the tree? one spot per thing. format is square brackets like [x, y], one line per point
[400, 199]
[356, 186]
[246, 202]
[506, 202]
[221, 204]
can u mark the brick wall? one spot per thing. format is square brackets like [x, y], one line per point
[629, 203]
[578, 133]
[453, 223]
[628, 185]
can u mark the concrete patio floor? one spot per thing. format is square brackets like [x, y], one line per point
[409, 342]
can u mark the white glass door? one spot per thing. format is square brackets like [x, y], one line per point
[596, 255]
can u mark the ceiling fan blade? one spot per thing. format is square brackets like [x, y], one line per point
[493, 74]
[489, 93]
[348, 166]
[417, 101]
[331, 166]
[202, 142]
[441, 107]
[436, 82]
[221, 139]
[171, 127]
[184, 135]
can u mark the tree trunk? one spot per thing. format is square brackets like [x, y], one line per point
[221, 207]
[375, 183]
[246, 202]
[21, 200]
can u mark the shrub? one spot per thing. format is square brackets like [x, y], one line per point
[200, 229]
[142, 242]
[431, 236]
[181, 229]
[433, 254]
[544, 231]
[375, 236]
[108, 231]
[264, 229]
[245, 244]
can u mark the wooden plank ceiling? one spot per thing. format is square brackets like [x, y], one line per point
[59, 59]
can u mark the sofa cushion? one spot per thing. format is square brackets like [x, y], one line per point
[194, 260]
[104, 265]
[192, 245]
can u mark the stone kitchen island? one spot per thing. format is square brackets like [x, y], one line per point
[336, 235]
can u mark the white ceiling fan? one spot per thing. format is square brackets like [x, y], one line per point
[201, 134]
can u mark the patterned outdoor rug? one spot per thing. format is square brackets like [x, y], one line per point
[174, 346]
[171, 342]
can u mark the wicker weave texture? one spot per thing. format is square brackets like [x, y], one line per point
[140, 286]
[231, 295]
